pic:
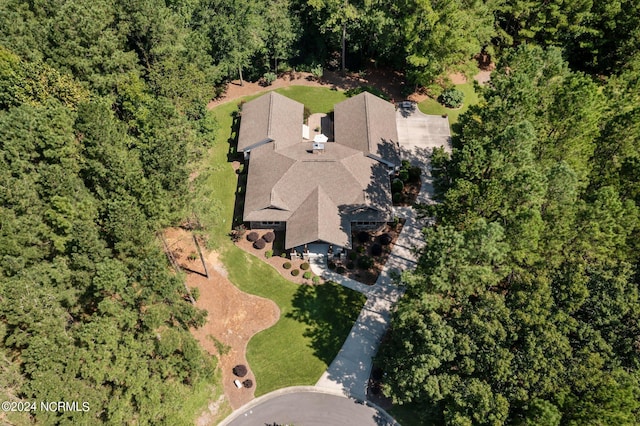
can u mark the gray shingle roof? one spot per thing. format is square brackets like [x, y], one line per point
[271, 117]
[316, 194]
[368, 124]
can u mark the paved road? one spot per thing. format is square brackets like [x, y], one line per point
[309, 409]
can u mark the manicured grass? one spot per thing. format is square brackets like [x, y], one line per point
[314, 321]
[317, 99]
[431, 106]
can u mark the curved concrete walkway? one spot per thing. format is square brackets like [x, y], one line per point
[350, 370]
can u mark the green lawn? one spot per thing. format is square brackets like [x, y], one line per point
[317, 99]
[431, 106]
[314, 321]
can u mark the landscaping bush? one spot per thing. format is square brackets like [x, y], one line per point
[332, 266]
[403, 174]
[351, 265]
[240, 370]
[304, 266]
[286, 265]
[268, 254]
[385, 239]
[260, 244]
[307, 275]
[376, 249]
[451, 98]
[340, 270]
[315, 280]
[365, 262]
[269, 237]
[414, 173]
[247, 383]
[397, 197]
[405, 164]
[269, 78]
[283, 254]
[360, 249]
[195, 293]
[353, 255]
[397, 185]
[253, 236]
[306, 113]
[363, 236]
[317, 72]
[295, 272]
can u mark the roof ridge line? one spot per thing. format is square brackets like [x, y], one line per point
[366, 118]
[270, 115]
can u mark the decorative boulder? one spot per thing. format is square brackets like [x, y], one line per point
[253, 236]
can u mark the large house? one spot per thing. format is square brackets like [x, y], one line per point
[318, 190]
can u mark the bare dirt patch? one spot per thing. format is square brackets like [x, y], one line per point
[234, 316]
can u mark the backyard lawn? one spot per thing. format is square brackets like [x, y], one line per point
[431, 106]
[314, 321]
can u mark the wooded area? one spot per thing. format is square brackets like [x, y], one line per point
[524, 309]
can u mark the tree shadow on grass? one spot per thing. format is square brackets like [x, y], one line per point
[329, 311]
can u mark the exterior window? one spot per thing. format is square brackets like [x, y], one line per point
[269, 223]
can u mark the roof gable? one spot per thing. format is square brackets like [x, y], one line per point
[367, 123]
[270, 118]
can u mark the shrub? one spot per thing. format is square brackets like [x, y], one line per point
[340, 270]
[306, 113]
[361, 249]
[376, 249]
[405, 164]
[253, 236]
[317, 72]
[307, 275]
[269, 78]
[397, 197]
[268, 254]
[351, 265]
[295, 272]
[353, 255]
[397, 185]
[315, 280]
[414, 173]
[365, 262]
[247, 383]
[269, 237]
[260, 244]
[332, 266]
[403, 174]
[192, 256]
[304, 266]
[286, 265]
[363, 236]
[283, 254]
[385, 239]
[451, 98]
[240, 370]
[195, 293]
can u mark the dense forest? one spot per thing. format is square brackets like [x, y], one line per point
[524, 309]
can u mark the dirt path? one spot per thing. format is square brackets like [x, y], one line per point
[233, 316]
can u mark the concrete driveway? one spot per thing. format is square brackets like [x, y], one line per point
[419, 133]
